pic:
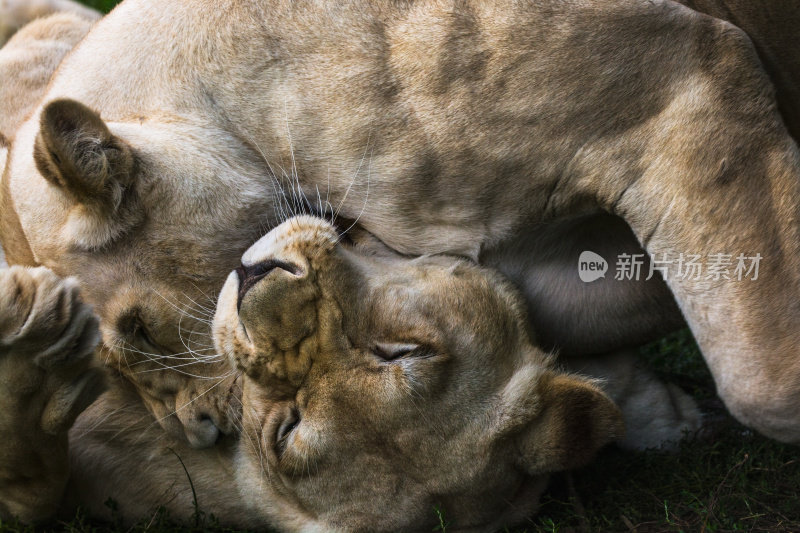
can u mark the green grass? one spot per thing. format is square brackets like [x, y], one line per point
[103, 5]
[730, 480]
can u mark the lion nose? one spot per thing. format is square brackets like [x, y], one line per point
[249, 275]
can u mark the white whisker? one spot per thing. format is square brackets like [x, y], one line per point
[366, 197]
[355, 176]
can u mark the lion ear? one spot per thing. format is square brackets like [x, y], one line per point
[76, 152]
[568, 420]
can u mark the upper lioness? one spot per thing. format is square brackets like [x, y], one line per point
[375, 388]
[447, 127]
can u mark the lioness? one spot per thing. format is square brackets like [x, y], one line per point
[88, 212]
[373, 387]
[442, 127]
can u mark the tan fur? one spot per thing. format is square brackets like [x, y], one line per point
[442, 127]
[496, 416]
[315, 337]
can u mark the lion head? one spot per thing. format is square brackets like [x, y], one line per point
[377, 387]
[150, 213]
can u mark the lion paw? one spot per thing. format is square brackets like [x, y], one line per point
[47, 341]
[47, 378]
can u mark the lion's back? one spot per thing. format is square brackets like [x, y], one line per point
[28, 61]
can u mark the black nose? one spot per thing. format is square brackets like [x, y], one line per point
[250, 275]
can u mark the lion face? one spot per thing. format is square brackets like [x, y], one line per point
[148, 214]
[377, 387]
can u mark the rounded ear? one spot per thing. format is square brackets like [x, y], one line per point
[569, 421]
[75, 151]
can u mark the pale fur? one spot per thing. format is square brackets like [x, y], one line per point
[472, 126]
[28, 61]
[14, 14]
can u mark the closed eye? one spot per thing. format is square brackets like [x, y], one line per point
[285, 431]
[390, 351]
[135, 330]
[143, 334]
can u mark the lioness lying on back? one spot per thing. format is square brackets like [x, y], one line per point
[373, 387]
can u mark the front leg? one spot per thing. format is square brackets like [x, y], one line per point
[47, 378]
[718, 203]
